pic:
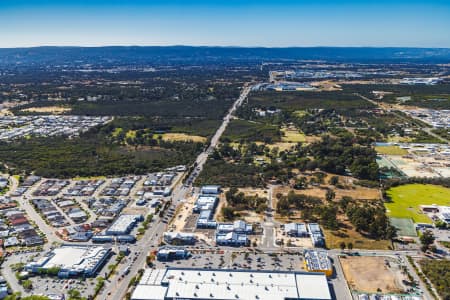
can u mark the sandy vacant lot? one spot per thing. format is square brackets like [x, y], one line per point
[370, 273]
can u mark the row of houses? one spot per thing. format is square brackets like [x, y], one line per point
[51, 187]
[106, 207]
[50, 213]
[78, 233]
[72, 209]
[25, 185]
[84, 187]
[120, 186]
[157, 185]
[15, 127]
[16, 230]
[160, 179]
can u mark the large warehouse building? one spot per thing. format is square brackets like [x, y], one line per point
[186, 283]
[72, 260]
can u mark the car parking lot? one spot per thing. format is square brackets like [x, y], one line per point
[213, 258]
[48, 285]
[260, 261]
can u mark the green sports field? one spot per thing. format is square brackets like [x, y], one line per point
[390, 150]
[406, 200]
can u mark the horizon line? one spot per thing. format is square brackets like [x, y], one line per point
[219, 46]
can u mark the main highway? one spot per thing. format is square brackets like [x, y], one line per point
[117, 286]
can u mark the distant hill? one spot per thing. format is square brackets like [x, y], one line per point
[127, 55]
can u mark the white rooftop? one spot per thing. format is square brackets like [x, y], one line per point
[176, 283]
[76, 258]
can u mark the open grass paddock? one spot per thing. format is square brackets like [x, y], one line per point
[406, 200]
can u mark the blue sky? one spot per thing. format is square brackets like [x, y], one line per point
[279, 23]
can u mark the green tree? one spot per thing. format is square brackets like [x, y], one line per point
[330, 195]
[228, 213]
[301, 183]
[27, 284]
[334, 180]
[350, 246]
[74, 294]
[427, 238]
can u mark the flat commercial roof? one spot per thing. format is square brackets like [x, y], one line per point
[123, 223]
[185, 283]
[74, 257]
[311, 288]
[149, 292]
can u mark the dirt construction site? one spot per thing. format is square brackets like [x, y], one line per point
[372, 274]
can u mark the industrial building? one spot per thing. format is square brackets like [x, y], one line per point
[166, 253]
[318, 261]
[238, 226]
[72, 260]
[206, 206]
[205, 203]
[296, 230]
[444, 214]
[426, 81]
[179, 238]
[125, 238]
[316, 235]
[441, 212]
[233, 234]
[187, 283]
[210, 190]
[124, 224]
[231, 239]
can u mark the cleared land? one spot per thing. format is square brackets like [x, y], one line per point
[292, 135]
[281, 146]
[176, 137]
[391, 150]
[406, 200]
[370, 273]
[333, 239]
[48, 109]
